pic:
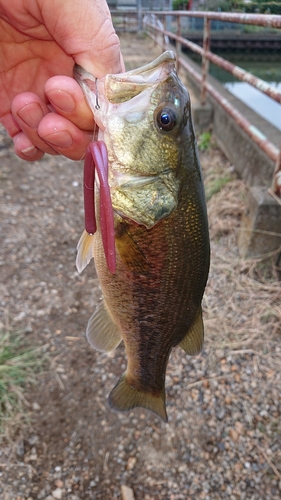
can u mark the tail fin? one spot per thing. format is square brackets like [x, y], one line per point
[124, 397]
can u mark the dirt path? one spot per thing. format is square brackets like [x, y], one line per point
[223, 440]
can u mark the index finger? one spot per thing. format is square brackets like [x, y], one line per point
[67, 98]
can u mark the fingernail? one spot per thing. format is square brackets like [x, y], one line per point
[62, 100]
[31, 114]
[59, 139]
[30, 151]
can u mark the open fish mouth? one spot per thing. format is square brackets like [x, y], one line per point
[123, 86]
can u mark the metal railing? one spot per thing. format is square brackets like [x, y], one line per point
[153, 24]
[125, 20]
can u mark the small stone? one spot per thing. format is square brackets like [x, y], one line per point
[127, 493]
[36, 406]
[221, 414]
[183, 467]
[220, 353]
[233, 435]
[33, 440]
[20, 316]
[131, 463]
[59, 483]
[239, 428]
[20, 448]
[57, 493]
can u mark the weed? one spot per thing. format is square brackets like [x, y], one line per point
[216, 184]
[204, 141]
[18, 366]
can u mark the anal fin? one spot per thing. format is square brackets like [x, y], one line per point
[125, 397]
[102, 333]
[192, 343]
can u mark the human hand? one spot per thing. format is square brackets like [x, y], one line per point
[41, 105]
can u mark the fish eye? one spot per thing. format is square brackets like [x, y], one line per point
[166, 119]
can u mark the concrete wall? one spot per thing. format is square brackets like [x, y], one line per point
[260, 231]
[249, 160]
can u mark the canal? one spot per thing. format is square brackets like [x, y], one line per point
[265, 66]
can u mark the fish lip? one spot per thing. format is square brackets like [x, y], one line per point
[148, 74]
[165, 57]
[80, 73]
[168, 56]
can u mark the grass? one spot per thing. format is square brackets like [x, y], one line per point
[204, 141]
[19, 363]
[215, 185]
[242, 312]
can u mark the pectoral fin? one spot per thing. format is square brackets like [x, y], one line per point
[125, 397]
[193, 341]
[102, 333]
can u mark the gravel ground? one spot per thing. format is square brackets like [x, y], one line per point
[223, 439]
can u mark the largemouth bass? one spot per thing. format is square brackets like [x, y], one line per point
[152, 292]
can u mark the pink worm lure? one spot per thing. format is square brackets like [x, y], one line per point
[96, 159]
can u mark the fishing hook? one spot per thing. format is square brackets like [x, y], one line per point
[97, 106]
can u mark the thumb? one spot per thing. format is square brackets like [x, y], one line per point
[85, 32]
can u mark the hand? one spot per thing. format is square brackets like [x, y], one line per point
[41, 105]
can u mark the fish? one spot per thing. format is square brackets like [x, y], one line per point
[152, 250]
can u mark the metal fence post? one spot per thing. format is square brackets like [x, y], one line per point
[165, 29]
[178, 44]
[139, 11]
[205, 61]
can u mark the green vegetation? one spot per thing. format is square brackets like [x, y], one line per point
[215, 185]
[258, 6]
[204, 141]
[179, 4]
[18, 365]
[263, 7]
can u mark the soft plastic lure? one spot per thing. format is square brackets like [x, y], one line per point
[96, 160]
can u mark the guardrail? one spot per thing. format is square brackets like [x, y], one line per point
[126, 20]
[153, 24]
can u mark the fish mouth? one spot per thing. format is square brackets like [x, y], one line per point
[140, 74]
[124, 86]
